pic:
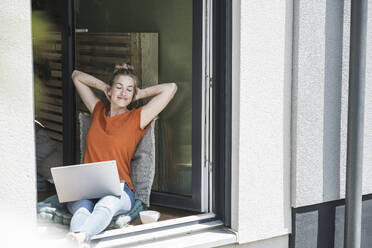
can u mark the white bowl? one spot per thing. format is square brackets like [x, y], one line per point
[149, 216]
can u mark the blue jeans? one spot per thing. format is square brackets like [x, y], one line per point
[92, 219]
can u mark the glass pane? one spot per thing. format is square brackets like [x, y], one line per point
[171, 21]
[47, 55]
[175, 143]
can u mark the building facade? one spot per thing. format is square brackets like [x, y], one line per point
[290, 68]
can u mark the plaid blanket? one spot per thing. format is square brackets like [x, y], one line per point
[50, 210]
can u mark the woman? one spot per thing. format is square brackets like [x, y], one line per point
[113, 135]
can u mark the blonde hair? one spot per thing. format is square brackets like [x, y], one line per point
[126, 70]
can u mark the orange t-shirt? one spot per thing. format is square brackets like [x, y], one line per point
[114, 138]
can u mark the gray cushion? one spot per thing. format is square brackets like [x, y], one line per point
[48, 154]
[143, 166]
[142, 163]
[53, 160]
[44, 145]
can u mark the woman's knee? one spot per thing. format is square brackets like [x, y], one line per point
[107, 203]
[113, 205]
[126, 203]
[76, 205]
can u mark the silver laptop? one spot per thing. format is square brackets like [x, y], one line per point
[86, 181]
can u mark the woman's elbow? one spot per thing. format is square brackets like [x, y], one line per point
[75, 74]
[173, 88]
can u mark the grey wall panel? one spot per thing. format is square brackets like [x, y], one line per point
[322, 225]
[367, 173]
[306, 231]
[334, 20]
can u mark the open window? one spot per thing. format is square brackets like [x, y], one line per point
[158, 39]
[166, 41]
[48, 92]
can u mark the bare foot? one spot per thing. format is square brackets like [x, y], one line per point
[79, 238]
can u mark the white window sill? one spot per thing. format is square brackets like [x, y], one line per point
[189, 220]
[210, 234]
[193, 231]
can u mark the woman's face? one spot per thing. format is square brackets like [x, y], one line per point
[122, 91]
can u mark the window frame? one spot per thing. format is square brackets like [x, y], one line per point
[220, 194]
[68, 90]
[195, 201]
[222, 109]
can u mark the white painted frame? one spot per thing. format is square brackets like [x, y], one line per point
[207, 79]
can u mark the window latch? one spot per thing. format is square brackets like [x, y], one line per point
[209, 80]
[209, 164]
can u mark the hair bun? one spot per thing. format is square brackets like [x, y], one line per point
[124, 66]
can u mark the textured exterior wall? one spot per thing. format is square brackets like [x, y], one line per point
[277, 242]
[261, 145]
[319, 102]
[17, 152]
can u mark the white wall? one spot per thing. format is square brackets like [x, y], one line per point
[276, 242]
[262, 45]
[17, 152]
[320, 96]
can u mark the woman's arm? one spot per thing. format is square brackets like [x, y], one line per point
[162, 93]
[82, 82]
